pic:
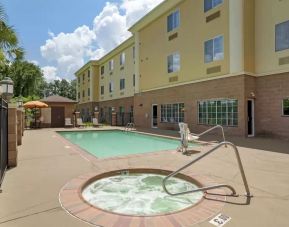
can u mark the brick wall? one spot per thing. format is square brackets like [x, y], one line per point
[271, 90]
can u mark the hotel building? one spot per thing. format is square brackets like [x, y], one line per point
[203, 62]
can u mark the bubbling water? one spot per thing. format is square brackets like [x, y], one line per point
[140, 194]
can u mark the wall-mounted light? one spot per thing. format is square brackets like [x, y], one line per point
[112, 109]
[252, 94]
[7, 87]
[96, 108]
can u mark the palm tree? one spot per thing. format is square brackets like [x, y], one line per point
[9, 45]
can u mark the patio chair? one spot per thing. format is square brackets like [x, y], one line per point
[68, 122]
[79, 122]
[95, 122]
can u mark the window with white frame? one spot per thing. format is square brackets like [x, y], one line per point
[174, 62]
[111, 86]
[133, 80]
[110, 65]
[210, 4]
[214, 49]
[173, 20]
[172, 113]
[102, 90]
[122, 84]
[122, 58]
[222, 112]
[102, 70]
[285, 107]
[282, 36]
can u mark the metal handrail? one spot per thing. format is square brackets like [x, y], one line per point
[129, 125]
[211, 129]
[213, 186]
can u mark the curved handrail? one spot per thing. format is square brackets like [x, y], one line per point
[129, 125]
[211, 129]
[214, 186]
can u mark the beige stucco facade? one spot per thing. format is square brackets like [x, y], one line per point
[249, 71]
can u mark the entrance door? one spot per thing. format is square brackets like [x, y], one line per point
[154, 116]
[250, 108]
[57, 117]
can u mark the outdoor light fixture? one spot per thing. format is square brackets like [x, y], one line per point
[20, 101]
[96, 108]
[7, 86]
[112, 109]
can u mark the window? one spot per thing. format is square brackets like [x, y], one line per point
[88, 74]
[173, 63]
[214, 49]
[221, 112]
[88, 92]
[121, 109]
[111, 87]
[173, 20]
[286, 107]
[102, 70]
[133, 52]
[282, 36]
[172, 113]
[83, 94]
[122, 84]
[79, 80]
[210, 4]
[83, 78]
[122, 58]
[110, 65]
[133, 80]
[78, 95]
[102, 90]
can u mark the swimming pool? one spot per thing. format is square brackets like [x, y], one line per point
[104, 144]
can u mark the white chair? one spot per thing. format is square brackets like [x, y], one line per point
[68, 122]
[79, 122]
[95, 122]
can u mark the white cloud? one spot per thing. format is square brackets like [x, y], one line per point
[34, 62]
[50, 73]
[69, 51]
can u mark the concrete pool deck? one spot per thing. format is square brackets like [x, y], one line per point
[46, 163]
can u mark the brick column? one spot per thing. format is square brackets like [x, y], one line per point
[113, 119]
[12, 137]
[19, 127]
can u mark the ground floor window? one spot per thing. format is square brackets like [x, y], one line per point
[172, 113]
[286, 107]
[223, 112]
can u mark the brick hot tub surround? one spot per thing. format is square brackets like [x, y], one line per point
[72, 201]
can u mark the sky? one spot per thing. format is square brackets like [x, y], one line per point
[62, 35]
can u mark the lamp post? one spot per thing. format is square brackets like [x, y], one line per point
[7, 87]
[20, 102]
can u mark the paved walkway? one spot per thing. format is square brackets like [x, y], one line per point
[46, 164]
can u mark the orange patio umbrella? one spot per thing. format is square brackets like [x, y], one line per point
[35, 105]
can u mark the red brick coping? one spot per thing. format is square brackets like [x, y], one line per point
[72, 201]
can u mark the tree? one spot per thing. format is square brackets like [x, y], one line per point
[27, 77]
[62, 87]
[9, 45]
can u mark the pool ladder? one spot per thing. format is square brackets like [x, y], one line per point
[224, 143]
[130, 126]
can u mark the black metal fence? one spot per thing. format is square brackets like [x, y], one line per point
[3, 138]
[123, 118]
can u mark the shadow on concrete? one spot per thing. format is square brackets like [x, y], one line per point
[258, 142]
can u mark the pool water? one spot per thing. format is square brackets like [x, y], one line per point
[103, 144]
[140, 194]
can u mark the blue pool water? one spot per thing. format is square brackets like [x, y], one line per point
[103, 144]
